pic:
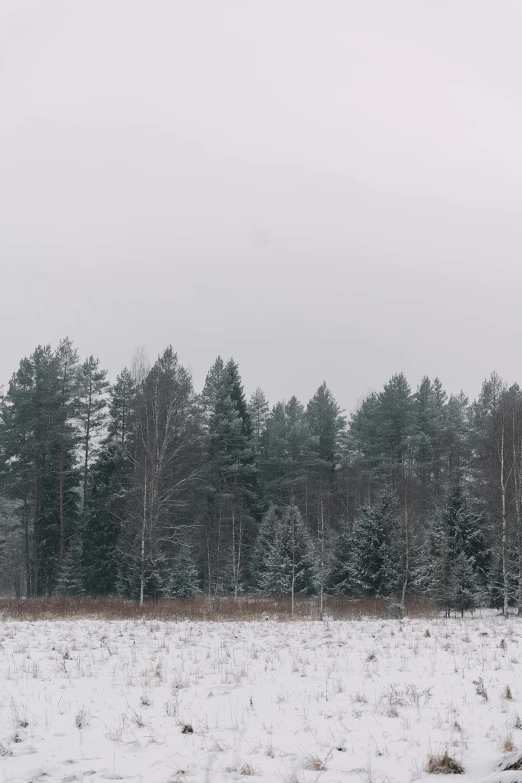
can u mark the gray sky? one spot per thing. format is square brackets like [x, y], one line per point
[320, 188]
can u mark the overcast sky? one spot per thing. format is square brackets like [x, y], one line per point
[324, 189]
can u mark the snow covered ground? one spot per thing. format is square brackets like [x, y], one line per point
[90, 700]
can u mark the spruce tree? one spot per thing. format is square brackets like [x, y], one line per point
[371, 568]
[183, 581]
[232, 500]
[458, 555]
[258, 411]
[289, 564]
[465, 591]
[70, 576]
[326, 424]
[263, 546]
[287, 455]
[340, 581]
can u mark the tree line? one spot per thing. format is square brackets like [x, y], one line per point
[146, 489]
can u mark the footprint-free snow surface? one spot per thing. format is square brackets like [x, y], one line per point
[88, 700]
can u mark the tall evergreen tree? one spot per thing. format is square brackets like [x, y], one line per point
[40, 437]
[263, 547]
[258, 411]
[183, 580]
[287, 455]
[371, 569]
[289, 565]
[326, 424]
[68, 437]
[109, 496]
[92, 405]
[458, 556]
[229, 528]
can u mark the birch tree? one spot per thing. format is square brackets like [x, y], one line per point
[167, 467]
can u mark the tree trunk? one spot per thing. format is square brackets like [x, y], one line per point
[87, 445]
[143, 532]
[62, 519]
[36, 528]
[505, 576]
[218, 552]
[321, 588]
[293, 562]
[517, 477]
[406, 572]
[209, 568]
[234, 562]
[27, 546]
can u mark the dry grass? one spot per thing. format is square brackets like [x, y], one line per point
[314, 764]
[443, 765]
[82, 718]
[201, 608]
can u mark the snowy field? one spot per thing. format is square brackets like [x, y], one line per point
[89, 700]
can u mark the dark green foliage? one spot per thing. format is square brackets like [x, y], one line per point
[91, 413]
[287, 454]
[258, 411]
[147, 490]
[289, 561]
[326, 424]
[457, 556]
[263, 546]
[105, 517]
[39, 440]
[364, 560]
[183, 580]
[70, 578]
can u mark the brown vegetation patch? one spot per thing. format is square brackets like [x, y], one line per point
[201, 608]
[314, 764]
[444, 765]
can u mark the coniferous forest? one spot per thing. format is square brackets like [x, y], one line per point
[147, 488]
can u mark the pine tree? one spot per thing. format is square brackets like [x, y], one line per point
[110, 496]
[92, 405]
[40, 438]
[105, 518]
[68, 437]
[122, 406]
